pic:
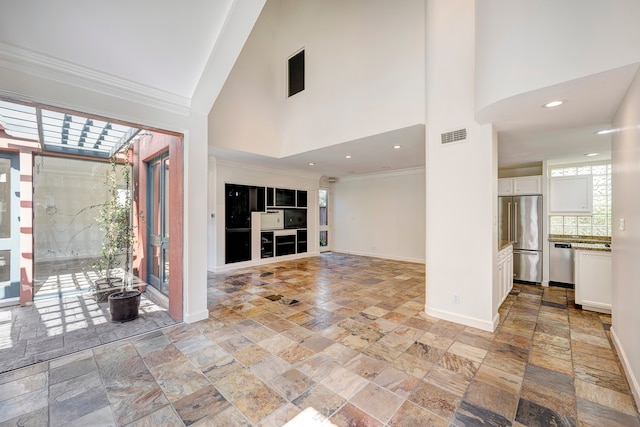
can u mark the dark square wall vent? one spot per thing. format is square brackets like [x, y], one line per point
[296, 73]
[453, 136]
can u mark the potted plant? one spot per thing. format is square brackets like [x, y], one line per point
[116, 222]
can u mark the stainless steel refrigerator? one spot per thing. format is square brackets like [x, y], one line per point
[520, 221]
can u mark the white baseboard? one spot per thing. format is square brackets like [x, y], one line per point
[463, 320]
[196, 317]
[264, 261]
[496, 321]
[382, 256]
[634, 383]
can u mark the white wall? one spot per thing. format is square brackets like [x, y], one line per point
[235, 173]
[626, 243]
[461, 177]
[523, 45]
[380, 215]
[212, 197]
[364, 76]
[244, 116]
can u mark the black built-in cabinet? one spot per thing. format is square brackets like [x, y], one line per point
[266, 244]
[241, 200]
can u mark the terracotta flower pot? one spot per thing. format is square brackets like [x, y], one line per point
[124, 305]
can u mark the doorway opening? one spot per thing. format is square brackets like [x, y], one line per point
[61, 161]
[323, 204]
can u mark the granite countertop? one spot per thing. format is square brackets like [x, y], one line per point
[579, 239]
[585, 243]
[601, 247]
[503, 244]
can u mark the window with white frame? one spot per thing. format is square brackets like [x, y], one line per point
[597, 224]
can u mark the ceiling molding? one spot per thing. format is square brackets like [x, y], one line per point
[46, 67]
[286, 172]
[384, 174]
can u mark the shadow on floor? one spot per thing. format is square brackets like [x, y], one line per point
[65, 318]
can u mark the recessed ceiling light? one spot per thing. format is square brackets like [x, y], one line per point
[604, 131]
[397, 146]
[552, 104]
[311, 164]
[347, 156]
[591, 154]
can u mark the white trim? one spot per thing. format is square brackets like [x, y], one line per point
[382, 256]
[463, 320]
[49, 68]
[634, 383]
[264, 261]
[196, 317]
[285, 172]
[399, 172]
[596, 306]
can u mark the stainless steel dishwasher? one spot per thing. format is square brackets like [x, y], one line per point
[560, 263]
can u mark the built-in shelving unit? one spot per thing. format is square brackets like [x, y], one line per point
[245, 205]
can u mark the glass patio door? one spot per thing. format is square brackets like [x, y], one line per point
[9, 228]
[158, 223]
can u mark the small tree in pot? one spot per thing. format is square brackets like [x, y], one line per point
[116, 222]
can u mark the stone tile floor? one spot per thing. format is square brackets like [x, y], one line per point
[337, 340]
[65, 318]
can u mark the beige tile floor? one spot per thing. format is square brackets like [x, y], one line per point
[338, 340]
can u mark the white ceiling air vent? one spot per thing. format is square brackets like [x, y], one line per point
[453, 136]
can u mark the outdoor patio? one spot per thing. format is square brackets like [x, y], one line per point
[65, 318]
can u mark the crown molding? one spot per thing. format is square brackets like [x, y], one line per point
[49, 68]
[286, 172]
[399, 172]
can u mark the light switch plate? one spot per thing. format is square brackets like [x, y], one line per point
[621, 224]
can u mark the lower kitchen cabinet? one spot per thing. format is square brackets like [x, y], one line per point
[592, 271]
[505, 273]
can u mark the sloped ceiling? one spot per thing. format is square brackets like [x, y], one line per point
[157, 48]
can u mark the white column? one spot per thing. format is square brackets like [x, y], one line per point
[461, 202]
[195, 220]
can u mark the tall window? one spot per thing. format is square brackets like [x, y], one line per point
[323, 203]
[597, 224]
[296, 73]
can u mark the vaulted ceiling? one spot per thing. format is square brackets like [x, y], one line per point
[178, 54]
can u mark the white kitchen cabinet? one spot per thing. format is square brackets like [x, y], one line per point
[571, 195]
[520, 186]
[592, 270]
[505, 187]
[527, 185]
[505, 273]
